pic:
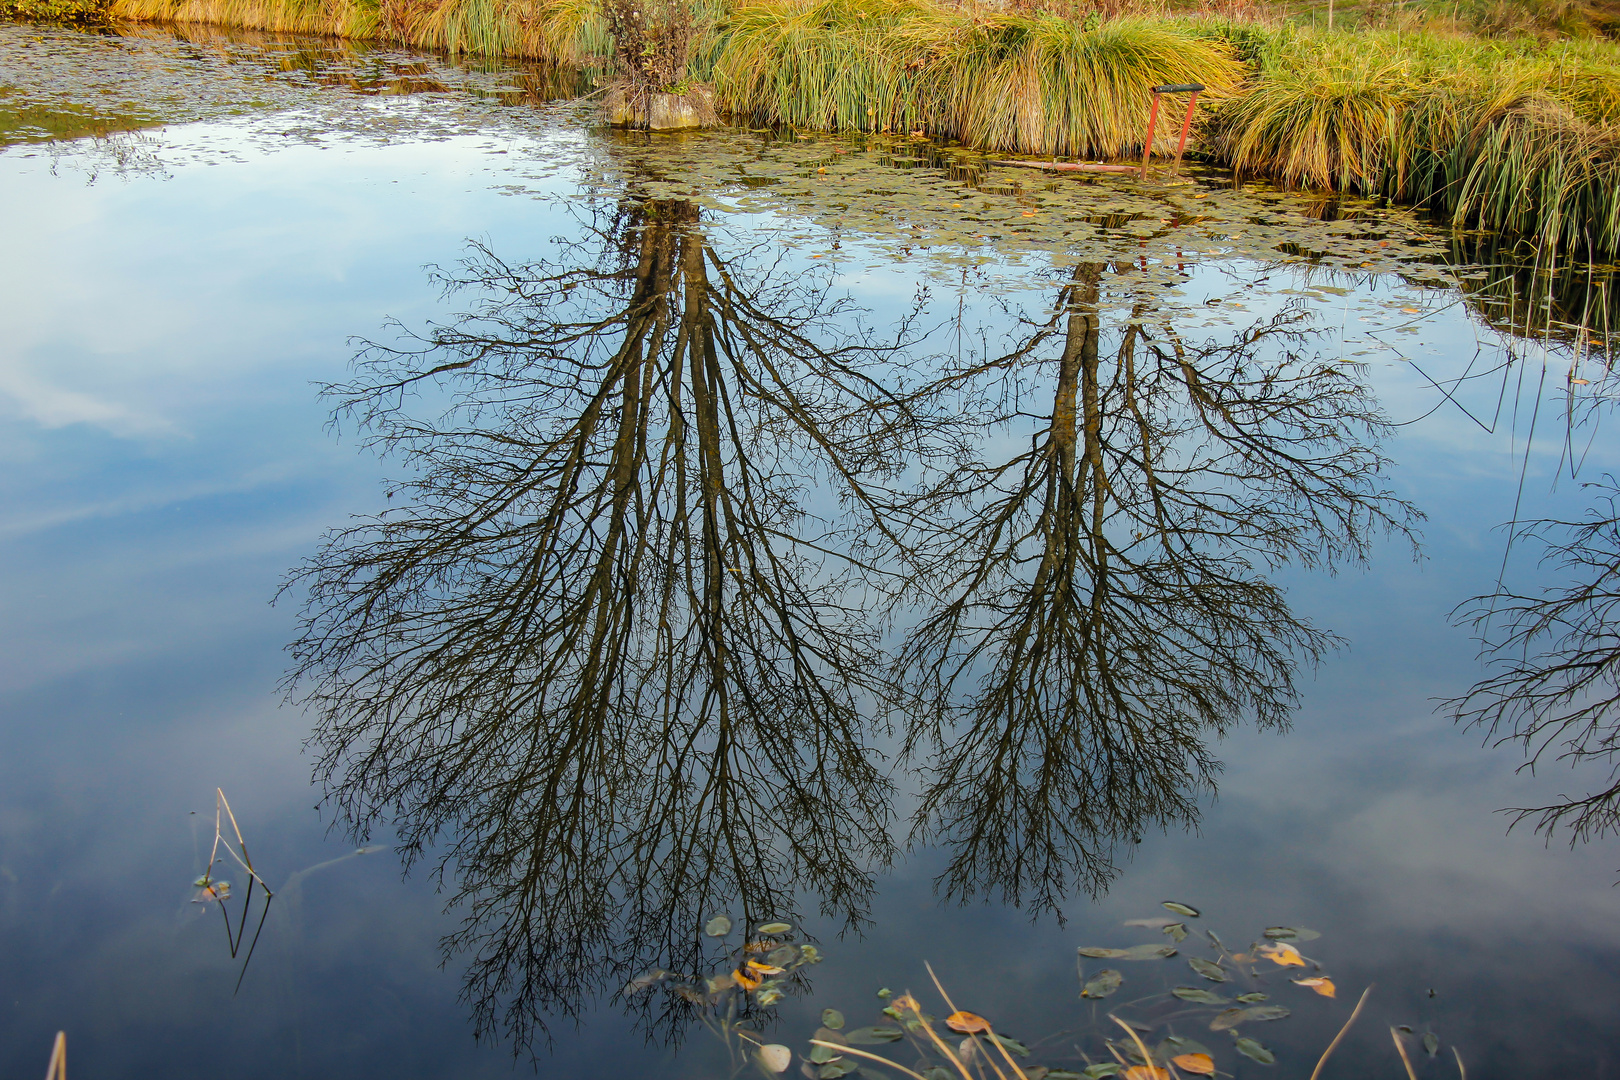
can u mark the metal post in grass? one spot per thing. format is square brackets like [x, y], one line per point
[1186, 125]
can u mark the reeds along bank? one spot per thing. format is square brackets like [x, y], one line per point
[1520, 135]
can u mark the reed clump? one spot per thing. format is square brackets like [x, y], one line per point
[1031, 82]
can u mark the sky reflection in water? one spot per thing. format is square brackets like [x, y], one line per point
[168, 462]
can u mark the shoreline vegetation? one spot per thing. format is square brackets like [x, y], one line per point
[1493, 115]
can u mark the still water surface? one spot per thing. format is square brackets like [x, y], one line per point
[874, 394]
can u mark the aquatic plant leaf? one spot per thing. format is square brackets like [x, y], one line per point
[1320, 983]
[744, 981]
[1062, 1074]
[769, 995]
[1281, 933]
[1254, 1051]
[1097, 953]
[1102, 1069]
[773, 928]
[1011, 1045]
[1227, 1019]
[1250, 999]
[834, 1069]
[823, 1054]
[782, 957]
[719, 926]
[1431, 1043]
[1265, 1012]
[757, 968]
[1102, 984]
[1180, 909]
[873, 1036]
[832, 1018]
[775, 1057]
[1180, 1044]
[1197, 1064]
[645, 980]
[1148, 952]
[1282, 954]
[966, 1022]
[1201, 997]
[1151, 924]
[1209, 969]
[1177, 932]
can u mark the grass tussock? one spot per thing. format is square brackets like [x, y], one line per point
[1516, 136]
[565, 31]
[1002, 80]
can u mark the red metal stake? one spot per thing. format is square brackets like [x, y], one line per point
[1147, 143]
[1186, 126]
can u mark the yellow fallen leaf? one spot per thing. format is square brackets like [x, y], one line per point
[1412, 310]
[1199, 1064]
[1029, 213]
[1321, 984]
[1578, 382]
[1146, 1072]
[967, 1022]
[1282, 954]
[744, 981]
[755, 967]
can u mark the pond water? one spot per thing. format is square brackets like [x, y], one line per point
[951, 562]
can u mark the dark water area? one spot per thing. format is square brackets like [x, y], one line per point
[550, 539]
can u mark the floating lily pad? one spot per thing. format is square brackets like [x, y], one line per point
[1102, 984]
[832, 1018]
[1254, 1051]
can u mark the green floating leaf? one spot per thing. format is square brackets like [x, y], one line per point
[1183, 1045]
[1250, 999]
[1098, 953]
[719, 926]
[773, 928]
[1063, 1074]
[1431, 1043]
[1266, 1012]
[1177, 932]
[834, 1069]
[1201, 997]
[1103, 1068]
[1102, 984]
[1281, 933]
[1215, 941]
[782, 957]
[1148, 952]
[822, 1054]
[1209, 969]
[1227, 1020]
[873, 1036]
[1231, 1018]
[1180, 909]
[1254, 1051]
[832, 1018]
[1012, 1046]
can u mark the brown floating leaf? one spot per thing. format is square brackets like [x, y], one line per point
[1321, 984]
[967, 1022]
[1197, 1064]
[1146, 1072]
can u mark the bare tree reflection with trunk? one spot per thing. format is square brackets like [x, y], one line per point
[599, 663]
[1096, 607]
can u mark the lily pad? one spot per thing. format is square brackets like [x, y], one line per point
[1102, 984]
[832, 1018]
[1254, 1051]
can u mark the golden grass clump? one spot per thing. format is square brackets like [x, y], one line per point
[1003, 80]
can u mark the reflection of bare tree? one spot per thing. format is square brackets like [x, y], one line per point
[1556, 687]
[600, 657]
[1097, 605]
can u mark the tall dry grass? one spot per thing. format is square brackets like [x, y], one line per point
[1518, 136]
[1001, 80]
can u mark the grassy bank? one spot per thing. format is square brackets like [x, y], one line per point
[1517, 132]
